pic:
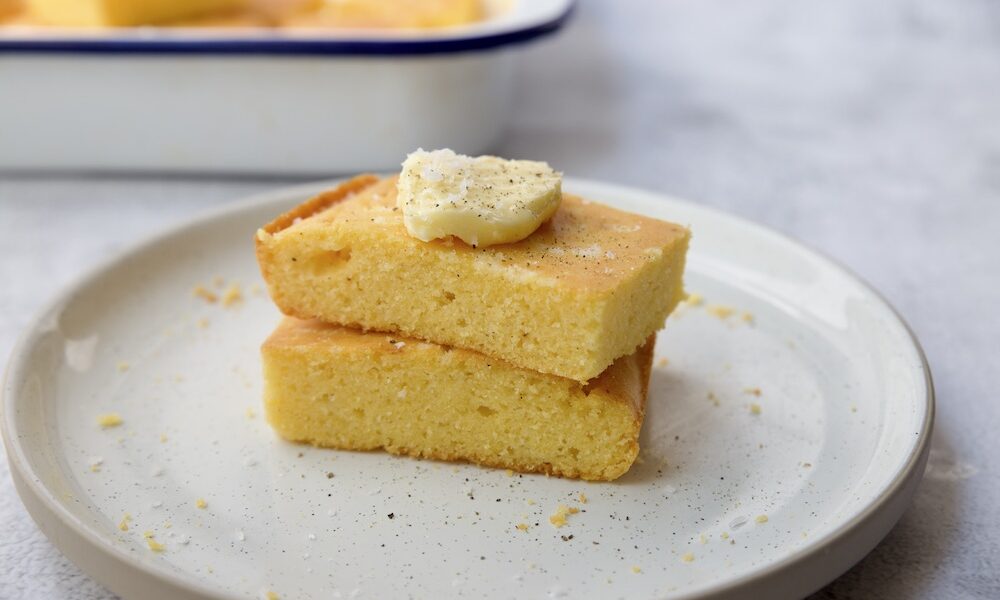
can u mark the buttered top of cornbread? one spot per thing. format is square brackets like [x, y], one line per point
[626, 379]
[584, 244]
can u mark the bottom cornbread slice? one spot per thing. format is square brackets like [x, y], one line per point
[338, 387]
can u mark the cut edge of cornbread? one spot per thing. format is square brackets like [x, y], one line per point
[514, 301]
[337, 387]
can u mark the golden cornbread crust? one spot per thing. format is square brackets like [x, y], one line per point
[589, 286]
[337, 387]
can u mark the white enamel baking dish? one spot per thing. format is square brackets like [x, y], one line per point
[271, 102]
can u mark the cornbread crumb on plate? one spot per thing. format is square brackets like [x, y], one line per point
[123, 524]
[109, 420]
[205, 294]
[460, 405]
[554, 302]
[688, 557]
[755, 408]
[558, 519]
[720, 312]
[200, 503]
[694, 299]
[761, 519]
[151, 542]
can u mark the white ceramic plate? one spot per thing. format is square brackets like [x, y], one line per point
[831, 458]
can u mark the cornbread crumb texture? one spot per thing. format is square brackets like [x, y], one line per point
[200, 503]
[588, 286]
[339, 387]
[688, 557]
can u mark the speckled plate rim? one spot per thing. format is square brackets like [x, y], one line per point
[799, 574]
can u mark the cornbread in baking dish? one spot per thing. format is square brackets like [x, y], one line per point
[118, 13]
[589, 286]
[338, 387]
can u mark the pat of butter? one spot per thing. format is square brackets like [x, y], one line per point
[124, 13]
[483, 200]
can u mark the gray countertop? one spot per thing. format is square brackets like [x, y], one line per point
[867, 130]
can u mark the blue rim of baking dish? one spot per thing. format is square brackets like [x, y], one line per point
[287, 46]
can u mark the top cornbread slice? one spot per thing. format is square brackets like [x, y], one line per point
[588, 287]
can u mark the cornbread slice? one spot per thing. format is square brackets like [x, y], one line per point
[343, 388]
[590, 285]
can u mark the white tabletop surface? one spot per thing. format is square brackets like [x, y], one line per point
[867, 130]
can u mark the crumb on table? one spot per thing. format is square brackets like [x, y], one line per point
[754, 408]
[583, 498]
[123, 524]
[753, 391]
[636, 569]
[522, 526]
[200, 503]
[688, 557]
[761, 519]
[122, 366]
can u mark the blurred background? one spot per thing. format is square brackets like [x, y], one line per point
[869, 131]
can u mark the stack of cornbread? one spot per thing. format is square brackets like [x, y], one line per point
[532, 353]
